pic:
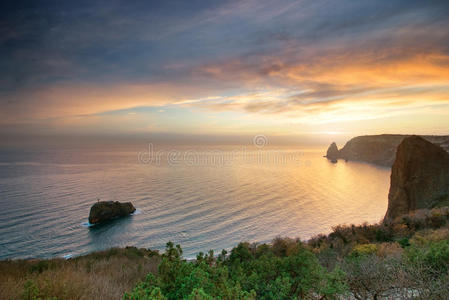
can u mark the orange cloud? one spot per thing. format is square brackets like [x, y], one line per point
[309, 87]
[337, 81]
[65, 101]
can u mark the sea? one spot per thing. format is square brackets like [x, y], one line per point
[201, 198]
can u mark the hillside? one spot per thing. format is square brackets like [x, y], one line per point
[100, 275]
[379, 261]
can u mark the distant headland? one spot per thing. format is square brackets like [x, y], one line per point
[377, 149]
[420, 168]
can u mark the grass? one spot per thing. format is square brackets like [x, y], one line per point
[100, 275]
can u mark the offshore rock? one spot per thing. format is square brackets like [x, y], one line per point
[332, 152]
[103, 211]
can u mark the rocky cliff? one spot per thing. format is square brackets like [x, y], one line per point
[332, 152]
[380, 149]
[419, 177]
[106, 210]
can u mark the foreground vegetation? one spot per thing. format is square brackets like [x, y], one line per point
[100, 275]
[405, 259]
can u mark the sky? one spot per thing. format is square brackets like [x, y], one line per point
[279, 68]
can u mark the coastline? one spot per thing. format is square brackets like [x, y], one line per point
[108, 267]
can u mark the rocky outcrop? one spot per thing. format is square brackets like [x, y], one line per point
[107, 210]
[419, 177]
[332, 152]
[375, 149]
[380, 149]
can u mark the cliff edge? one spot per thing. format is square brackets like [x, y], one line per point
[419, 177]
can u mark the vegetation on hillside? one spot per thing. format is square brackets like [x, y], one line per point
[407, 258]
[100, 275]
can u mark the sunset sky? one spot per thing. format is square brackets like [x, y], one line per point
[280, 68]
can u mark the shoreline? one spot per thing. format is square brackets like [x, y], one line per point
[115, 272]
[421, 213]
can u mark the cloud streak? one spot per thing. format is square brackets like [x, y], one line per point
[312, 62]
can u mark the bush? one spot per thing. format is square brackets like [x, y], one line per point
[284, 246]
[40, 266]
[284, 270]
[390, 250]
[383, 235]
[437, 219]
[433, 257]
[369, 276]
[199, 294]
[30, 291]
[404, 242]
[241, 253]
[364, 249]
[146, 290]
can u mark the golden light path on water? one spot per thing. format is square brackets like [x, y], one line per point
[209, 204]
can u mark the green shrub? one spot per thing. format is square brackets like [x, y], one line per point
[199, 294]
[364, 249]
[30, 291]
[434, 257]
[383, 235]
[40, 266]
[404, 242]
[350, 259]
[241, 253]
[285, 271]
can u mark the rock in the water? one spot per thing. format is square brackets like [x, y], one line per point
[419, 177]
[106, 210]
[332, 152]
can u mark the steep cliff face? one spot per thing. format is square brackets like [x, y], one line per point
[332, 152]
[419, 177]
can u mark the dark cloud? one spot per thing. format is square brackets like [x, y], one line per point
[221, 46]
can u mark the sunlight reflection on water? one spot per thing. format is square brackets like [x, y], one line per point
[201, 206]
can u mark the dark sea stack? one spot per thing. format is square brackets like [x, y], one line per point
[419, 177]
[107, 210]
[332, 152]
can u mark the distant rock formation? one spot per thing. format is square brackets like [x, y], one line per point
[106, 210]
[375, 149]
[380, 149]
[332, 152]
[419, 177]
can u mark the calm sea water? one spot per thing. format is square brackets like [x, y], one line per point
[202, 200]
